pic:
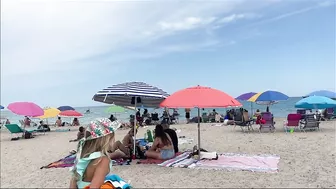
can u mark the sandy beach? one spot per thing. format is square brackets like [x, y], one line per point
[307, 159]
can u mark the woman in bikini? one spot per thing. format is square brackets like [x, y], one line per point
[162, 147]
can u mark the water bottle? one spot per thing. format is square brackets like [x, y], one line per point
[145, 136]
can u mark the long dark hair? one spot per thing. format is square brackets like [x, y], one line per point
[159, 132]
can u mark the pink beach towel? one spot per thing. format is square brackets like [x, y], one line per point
[260, 163]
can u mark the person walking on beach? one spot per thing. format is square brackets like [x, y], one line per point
[187, 114]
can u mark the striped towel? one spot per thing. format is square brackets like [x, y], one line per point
[185, 163]
[171, 162]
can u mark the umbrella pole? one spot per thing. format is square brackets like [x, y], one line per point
[199, 134]
[135, 110]
[251, 110]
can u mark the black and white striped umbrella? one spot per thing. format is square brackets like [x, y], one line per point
[131, 94]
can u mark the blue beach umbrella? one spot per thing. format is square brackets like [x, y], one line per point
[65, 108]
[1, 107]
[245, 97]
[325, 93]
[316, 102]
[268, 96]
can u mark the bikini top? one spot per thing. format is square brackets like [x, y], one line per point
[82, 165]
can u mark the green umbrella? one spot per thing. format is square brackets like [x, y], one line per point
[115, 109]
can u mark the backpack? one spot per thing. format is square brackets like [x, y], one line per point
[27, 135]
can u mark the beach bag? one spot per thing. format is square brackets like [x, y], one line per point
[27, 135]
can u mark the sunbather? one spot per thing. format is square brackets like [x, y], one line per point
[75, 122]
[58, 122]
[172, 134]
[80, 134]
[228, 119]
[125, 147]
[162, 147]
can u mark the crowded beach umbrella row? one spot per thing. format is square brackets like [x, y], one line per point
[131, 94]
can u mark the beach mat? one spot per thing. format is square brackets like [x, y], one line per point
[175, 160]
[244, 162]
[154, 161]
[67, 161]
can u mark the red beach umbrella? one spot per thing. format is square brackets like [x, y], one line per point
[70, 113]
[200, 97]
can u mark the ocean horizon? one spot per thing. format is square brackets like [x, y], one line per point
[281, 109]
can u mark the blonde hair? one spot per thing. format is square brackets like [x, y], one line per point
[102, 144]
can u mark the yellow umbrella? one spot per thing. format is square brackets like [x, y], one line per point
[49, 112]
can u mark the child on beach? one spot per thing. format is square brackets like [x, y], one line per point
[93, 164]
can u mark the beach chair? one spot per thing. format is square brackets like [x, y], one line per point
[329, 113]
[268, 117]
[241, 121]
[205, 117]
[302, 112]
[310, 123]
[155, 118]
[293, 121]
[16, 129]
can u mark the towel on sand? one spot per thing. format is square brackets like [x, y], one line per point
[230, 161]
[67, 161]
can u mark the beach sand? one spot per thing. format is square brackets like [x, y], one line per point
[307, 159]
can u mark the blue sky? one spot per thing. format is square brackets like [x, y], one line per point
[62, 52]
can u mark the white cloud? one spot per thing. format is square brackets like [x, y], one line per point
[186, 24]
[236, 17]
[52, 37]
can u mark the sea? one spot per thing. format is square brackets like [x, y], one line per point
[281, 109]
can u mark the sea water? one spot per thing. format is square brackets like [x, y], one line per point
[281, 109]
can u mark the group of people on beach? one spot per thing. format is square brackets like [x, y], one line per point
[99, 148]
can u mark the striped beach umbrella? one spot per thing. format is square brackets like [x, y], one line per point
[131, 94]
[134, 94]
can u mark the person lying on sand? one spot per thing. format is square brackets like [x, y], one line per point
[80, 134]
[162, 147]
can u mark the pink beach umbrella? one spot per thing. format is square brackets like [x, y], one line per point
[25, 109]
[70, 113]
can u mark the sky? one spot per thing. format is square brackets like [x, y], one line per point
[62, 52]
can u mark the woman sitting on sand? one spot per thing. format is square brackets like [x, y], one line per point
[162, 147]
[75, 122]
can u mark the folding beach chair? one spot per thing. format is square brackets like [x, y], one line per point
[293, 121]
[269, 124]
[329, 113]
[241, 121]
[155, 118]
[310, 123]
[302, 112]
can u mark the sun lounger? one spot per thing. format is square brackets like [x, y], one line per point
[15, 129]
[293, 121]
[268, 117]
[310, 123]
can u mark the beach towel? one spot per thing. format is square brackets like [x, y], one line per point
[154, 161]
[185, 163]
[113, 182]
[177, 159]
[67, 161]
[231, 161]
